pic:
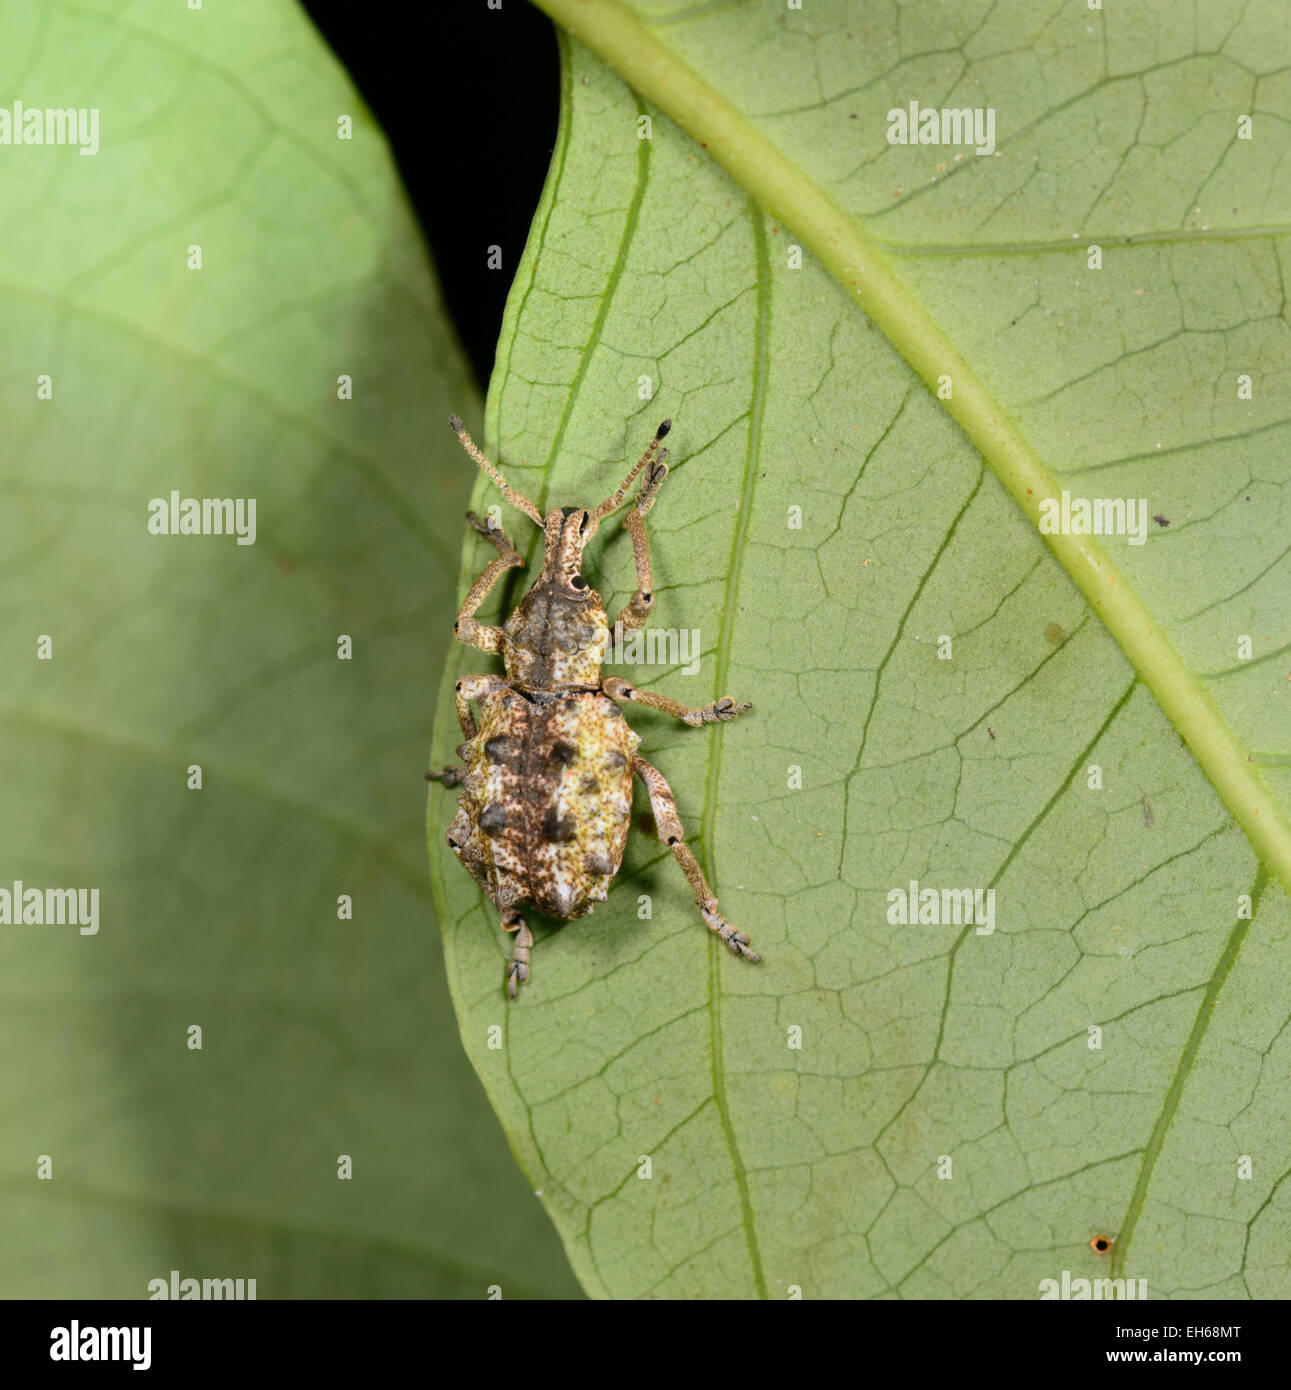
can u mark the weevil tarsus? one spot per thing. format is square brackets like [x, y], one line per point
[518, 965]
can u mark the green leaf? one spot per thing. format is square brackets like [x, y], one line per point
[219, 906]
[966, 1110]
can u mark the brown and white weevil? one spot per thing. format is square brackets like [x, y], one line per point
[547, 787]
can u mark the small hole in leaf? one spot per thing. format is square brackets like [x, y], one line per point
[1100, 1245]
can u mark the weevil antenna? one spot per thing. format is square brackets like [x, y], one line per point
[651, 450]
[517, 499]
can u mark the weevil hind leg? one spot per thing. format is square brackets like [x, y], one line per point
[664, 806]
[518, 966]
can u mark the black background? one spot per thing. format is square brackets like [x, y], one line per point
[469, 99]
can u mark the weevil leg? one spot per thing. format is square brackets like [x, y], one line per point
[668, 822]
[474, 688]
[518, 967]
[466, 629]
[639, 607]
[624, 692]
[494, 534]
[450, 776]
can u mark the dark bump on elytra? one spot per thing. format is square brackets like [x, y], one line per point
[556, 828]
[498, 748]
[562, 752]
[599, 864]
[589, 785]
[493, 818]
[615, 760]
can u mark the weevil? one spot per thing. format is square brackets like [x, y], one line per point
[546, 798]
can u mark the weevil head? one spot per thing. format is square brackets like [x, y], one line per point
[558, 633]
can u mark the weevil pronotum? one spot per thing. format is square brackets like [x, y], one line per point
[547, 784]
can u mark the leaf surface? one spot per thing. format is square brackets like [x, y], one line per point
[966, 1110]
[320, 1037]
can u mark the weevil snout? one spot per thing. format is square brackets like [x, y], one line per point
[568, 531]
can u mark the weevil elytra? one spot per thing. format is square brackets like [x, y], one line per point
[547, 784]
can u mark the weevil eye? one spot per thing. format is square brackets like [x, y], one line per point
[579, 582]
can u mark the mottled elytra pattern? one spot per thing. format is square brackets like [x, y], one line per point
[547, 784]
[546, 799]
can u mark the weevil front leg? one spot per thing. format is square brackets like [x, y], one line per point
[466, 629]
[668, 822]
[518, 967]
[720, 711]
[639, 607]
